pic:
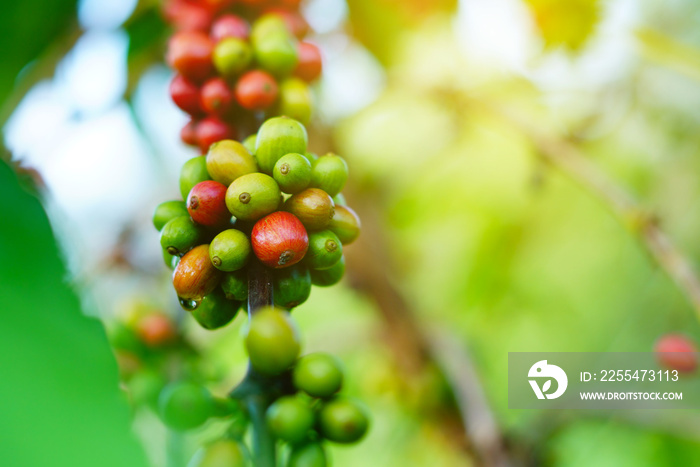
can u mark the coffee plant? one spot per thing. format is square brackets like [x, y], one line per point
[260, 221]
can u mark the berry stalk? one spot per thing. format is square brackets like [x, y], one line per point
[260, 294]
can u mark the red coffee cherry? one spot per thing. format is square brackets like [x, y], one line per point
[310, 63]
[206, 204]
[279, 240]
[156, 329]
[217, 97]
[677, 352]
[216, 5]
[230, 26]
[189, 52]
[210, 130]
[188, 134]
[187, 16]
[256, 90]
[185, 94]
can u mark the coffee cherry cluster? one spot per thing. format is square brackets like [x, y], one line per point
[236, 61]
[266, 200]
[305, 409]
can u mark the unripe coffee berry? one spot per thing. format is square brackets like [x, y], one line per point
[329, 173]
[230, 250]
[313, 206]
[324, 251]
[272, 342]
[232, 56]
[195, 276]
[279, 136]
[227, 160]
[292, 172]
[252, 196]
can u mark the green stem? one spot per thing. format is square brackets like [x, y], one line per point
[174, 449]
[263, 441]
[259, 295]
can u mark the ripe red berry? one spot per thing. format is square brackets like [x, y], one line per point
[296, 23]
[185, 94]
[677, 352]
[188, 134]
[189, 52]
[206, 204]
[256, 90]
[279, 240]
[310, 64]
[211, 130]
[156, 329]
[216, 5]
[217, 97]
[230, 26]
[187, 16]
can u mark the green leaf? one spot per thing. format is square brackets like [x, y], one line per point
[29, 28]
[59, 395]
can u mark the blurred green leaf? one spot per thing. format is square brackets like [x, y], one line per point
[28, 28]
[59, 395]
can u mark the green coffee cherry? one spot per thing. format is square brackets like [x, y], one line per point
[230, 250]
[169, 210]
[339, 200]
[343, 420]
[231, 56]
[235, 285]
[345, 224]
[290, 418]
[144, 387]
[249, 143]
[253, 196]
[295, 100]
[307, 455]
[318, 374]
[291, 286]
[330, 276]
[193, 171]
[273, 342]
[292, 172]
[215, 310]
[170, 260]
[329, 173]
[324, 251]
[179, 235]
[276, 53]
[184, 405]
[227, 160]
[279, 136]
[266, 26]
[222, 453]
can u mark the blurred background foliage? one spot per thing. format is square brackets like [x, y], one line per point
[457, 118]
